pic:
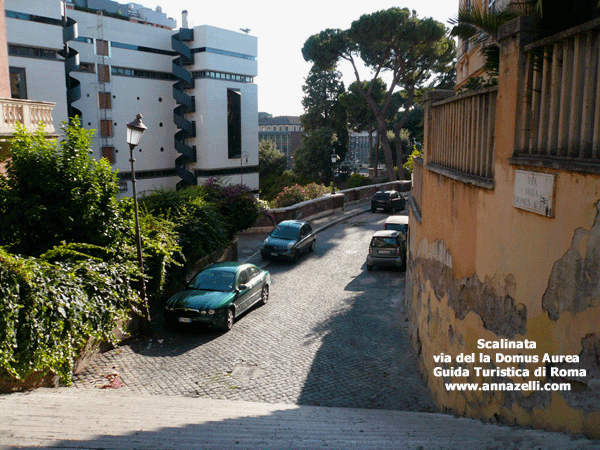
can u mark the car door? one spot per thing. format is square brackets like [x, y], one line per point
[302, 239]
[254, 284]
[394, 200]
[310, 237]
[243, 295]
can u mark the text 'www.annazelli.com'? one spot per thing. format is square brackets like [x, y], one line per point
[529, 386]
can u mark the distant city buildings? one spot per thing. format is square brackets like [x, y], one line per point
[194, 86]
[284, 131]
[359, 147]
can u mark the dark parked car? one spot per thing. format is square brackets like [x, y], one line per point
[289, 239]
[219, 294]
[389, 201]
[387, 248]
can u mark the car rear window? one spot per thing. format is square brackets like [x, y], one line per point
[381, 196]
[382, 242]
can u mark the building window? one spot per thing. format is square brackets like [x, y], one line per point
[87, 67]
[106, 128]
[109, 153]
[103, 73]
[18, 83]
[104, 100]
[234, 123]
[102, 48]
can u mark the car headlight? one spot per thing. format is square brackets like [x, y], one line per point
[290, 245]
[211, 311]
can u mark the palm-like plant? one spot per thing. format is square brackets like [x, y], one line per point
[480, 26]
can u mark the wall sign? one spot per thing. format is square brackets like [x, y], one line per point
[534, 191]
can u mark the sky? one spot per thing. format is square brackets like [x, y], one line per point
[282, 28]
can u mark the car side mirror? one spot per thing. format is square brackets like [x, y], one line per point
[242, 287]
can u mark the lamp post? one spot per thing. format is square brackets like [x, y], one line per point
[242, 155]
[334, 158]
[135, 130]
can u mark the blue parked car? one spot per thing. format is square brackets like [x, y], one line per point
[289, 240]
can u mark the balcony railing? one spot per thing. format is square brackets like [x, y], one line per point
[461, 136]
[31, 114]
[559, 119]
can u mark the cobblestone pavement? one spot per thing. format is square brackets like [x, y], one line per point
[332, 334]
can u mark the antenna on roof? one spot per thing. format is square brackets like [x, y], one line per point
[245, 30]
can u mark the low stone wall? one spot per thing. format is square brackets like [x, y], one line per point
[321, 206]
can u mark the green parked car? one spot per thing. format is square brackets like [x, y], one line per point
[218, 294]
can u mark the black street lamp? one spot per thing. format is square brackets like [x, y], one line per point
[135, 130]
[334, 158]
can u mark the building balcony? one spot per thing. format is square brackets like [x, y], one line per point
[31, 114]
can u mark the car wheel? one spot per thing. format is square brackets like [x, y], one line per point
[372, 209]
[295, 256]
[369, 267]
[264, 295]
[228, 321]
[312, 246]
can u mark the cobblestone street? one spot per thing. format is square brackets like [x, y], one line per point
[332, 334]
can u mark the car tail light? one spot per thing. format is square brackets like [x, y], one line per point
[399, 251]
[370, 250]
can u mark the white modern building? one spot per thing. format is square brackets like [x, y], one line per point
[194, 87]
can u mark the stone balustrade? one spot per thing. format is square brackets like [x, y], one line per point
[31, 114]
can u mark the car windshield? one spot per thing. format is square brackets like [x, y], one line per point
[397, 226]
[285, 232]
[213, 280]
[381, 242]
[381, 196]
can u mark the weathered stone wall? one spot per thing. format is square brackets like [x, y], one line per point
[481, 269]
[323, 205]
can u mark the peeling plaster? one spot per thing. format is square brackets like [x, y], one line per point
[493, 299]
[574, 283]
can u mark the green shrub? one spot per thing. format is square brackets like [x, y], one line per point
[295, 193]
[196, 229]
[235, 202]
[290, 195]
[355, 180]
[48, 311]
[54, 193]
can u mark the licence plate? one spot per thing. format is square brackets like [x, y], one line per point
[274, 254]
[185, 320]
[384, 252]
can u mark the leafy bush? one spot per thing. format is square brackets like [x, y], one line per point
[47, 311]
[291, 195]
[355, 180]
[408, 165]
[197, 226]
[314, 190]
[235, 202]
[56, 193]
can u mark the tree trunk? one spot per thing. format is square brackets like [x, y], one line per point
[387, 150]
[398, 150]
[375, 151]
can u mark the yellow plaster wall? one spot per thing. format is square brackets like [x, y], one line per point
[481, 234]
